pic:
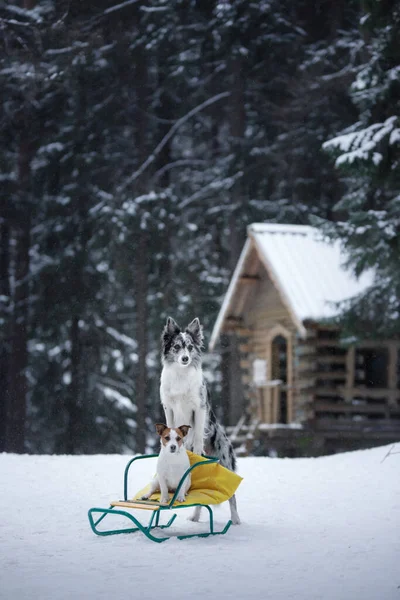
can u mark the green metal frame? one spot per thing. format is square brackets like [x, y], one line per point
[155, 514]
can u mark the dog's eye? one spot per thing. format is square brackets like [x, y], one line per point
[177, 347]
[190, 347]
[178, 439]
[167, 438]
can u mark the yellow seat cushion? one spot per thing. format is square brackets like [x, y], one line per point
[211, 484]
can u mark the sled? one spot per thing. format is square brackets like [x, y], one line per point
[211, 483]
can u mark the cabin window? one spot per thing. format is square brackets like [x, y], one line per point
[259, 371]
[371, 368]
[279, 371]
[279, 358]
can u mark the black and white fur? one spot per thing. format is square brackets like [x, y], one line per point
[185, 398]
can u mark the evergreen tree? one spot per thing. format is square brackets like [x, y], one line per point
[140, 140]
[368, 154]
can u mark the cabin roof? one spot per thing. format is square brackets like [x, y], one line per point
[307, 271]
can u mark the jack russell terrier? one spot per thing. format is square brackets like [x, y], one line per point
[172, 463]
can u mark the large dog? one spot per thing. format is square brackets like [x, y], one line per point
[185, 399]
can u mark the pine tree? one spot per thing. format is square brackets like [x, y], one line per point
[368, 155]
[156, 132]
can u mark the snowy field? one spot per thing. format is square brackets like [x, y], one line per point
[326, 528]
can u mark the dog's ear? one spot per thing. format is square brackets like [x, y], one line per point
[160, 428]
[184, 429]
[171, 327]
[196, 331]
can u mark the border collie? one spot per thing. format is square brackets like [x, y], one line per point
[185, 398]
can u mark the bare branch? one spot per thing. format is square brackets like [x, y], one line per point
[168, 136]
[178, 163]
[390, 453]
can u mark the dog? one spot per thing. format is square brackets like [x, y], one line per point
[185, 399]
[172, 463]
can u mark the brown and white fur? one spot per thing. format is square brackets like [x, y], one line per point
[172, 463]
[185, 397]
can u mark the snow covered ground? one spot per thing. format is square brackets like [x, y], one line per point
[326, 528]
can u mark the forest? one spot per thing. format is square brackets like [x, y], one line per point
[138, 140]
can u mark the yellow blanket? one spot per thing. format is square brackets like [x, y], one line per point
[211, 484]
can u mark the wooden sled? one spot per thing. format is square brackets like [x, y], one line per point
[211, 483]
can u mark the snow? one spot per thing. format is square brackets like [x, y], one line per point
[271, 426]
[308, 269]
[325, 528]
[121, 401]
[121, 337]
[362, 144]
[394, 136]
[51, 148]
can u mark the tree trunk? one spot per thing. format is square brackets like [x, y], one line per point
[166, 115]
[141, 285]
[73, 402]
[18, 357]
[18, 386]
[234, 403]
[4, 320]
[237, 121]
[74, 439]
[141, 271]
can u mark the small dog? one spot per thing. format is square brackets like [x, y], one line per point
[172, 463]
[185, 399]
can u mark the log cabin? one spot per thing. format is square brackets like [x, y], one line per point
[305, 390]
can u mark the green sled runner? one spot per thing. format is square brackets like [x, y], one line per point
[211, 484]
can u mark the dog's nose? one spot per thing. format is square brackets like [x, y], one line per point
[185, 359]
[172, 447]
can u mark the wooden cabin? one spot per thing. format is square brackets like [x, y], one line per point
[306, 391]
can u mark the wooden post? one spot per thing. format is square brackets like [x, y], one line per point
[392, 373]
[275, 397]
[289, 383]
[267, 396]
[350, 371]
[260, 403]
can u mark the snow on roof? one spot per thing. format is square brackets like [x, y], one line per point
[308, 272]
[231, 289]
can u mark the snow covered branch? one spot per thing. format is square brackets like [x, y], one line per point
[364, 144]
[113, 9]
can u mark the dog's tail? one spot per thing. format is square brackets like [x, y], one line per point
[218, 443]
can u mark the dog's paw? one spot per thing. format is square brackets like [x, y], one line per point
[145, 497]
[198, 450]
[194, 518]
[236, 520]
[181, 498]
[196, 515]
[164, 500]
